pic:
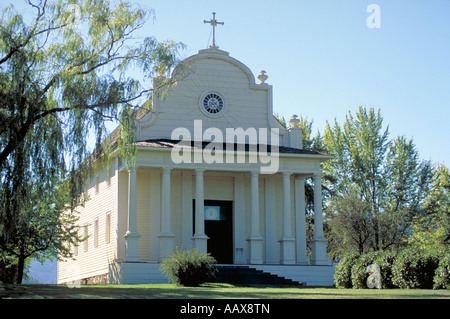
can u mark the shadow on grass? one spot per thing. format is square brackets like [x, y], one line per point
[208, 291]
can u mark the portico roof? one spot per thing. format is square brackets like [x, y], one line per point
[167, 143]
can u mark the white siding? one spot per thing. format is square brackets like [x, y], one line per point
[94, 260]
[248, 105]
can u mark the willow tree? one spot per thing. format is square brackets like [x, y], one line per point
[64, 70]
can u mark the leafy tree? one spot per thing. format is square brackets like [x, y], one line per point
[431, 229]
[63, 72]
[350, 225]
[390, 181]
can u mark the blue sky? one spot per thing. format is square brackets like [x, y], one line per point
[323, 61]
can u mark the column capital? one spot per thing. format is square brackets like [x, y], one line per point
[130, 234]
[318, 175]
[167, 169]
[199, 171]
[254, 173]
[132, 170]
[287, 174]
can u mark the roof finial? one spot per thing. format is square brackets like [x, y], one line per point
[213, 23]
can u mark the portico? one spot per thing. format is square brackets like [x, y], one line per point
[268, 213]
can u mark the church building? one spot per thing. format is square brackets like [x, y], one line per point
[215, 171]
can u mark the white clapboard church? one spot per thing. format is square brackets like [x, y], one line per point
[215, 171]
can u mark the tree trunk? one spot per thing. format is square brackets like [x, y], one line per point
[20, 267]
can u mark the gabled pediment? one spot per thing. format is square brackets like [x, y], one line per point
[213, 88]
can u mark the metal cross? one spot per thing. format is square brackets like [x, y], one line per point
[213, 23]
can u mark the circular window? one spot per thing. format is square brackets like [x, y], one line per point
[212, 103]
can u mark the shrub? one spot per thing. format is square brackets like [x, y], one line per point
[415, 269]
[363, 267]
[343, 270]
[189, 268]
[385, 260]
[442, 275]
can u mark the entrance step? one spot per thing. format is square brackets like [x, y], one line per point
[245, 275]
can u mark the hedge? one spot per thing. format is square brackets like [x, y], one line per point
[343, 270]
[414, 268]
[408, 268]
[385, 260]
[361, 270]
[442, 276]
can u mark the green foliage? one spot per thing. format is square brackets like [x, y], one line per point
[350, 226]
[414, 268]
[383, 180]
[189, 268]
[385, 260]
[442, 277]
[343, 270]
[359, 271]
[407, 268]
[432, 229]
[63, 74]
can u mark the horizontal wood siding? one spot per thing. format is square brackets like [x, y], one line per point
[246, 106]
[102, 201]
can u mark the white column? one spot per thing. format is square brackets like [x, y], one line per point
[155, 196]
[271, 220]
[167, 238]
[319, 243]
[287, 205]
[300, 222]
[166, 209]
[287, 241]
[255, 240]
[200, 238]
[240, 243]
[132, 235]
[186, 209]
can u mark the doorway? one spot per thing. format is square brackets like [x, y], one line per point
[219, 229]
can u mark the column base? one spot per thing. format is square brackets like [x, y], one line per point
[302, 258]
[255, 247]
[319, 252]
[166, 245]
[287, 251]
[201, 243]
[132, 246]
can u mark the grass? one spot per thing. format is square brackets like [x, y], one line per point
[209, 291]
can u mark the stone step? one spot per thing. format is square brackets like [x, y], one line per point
[245, 275]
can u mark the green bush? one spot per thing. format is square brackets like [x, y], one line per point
[408, 268]
[385, 260]
[189, 268]
[414, 268]
[343, 270]
[442, 276]
[363, 267]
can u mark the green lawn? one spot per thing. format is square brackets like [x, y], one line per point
[210, 291]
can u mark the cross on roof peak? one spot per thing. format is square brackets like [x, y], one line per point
[213, 23]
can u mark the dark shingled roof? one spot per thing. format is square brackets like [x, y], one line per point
[166, 143]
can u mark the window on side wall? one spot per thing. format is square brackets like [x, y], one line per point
[96, 232]
[108, 227]
[97, 185]
[86, 239]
